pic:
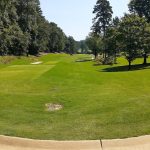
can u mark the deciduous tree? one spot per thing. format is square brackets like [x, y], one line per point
[131, 28]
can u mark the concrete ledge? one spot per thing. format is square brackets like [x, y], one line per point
[136, 143]
[12, 143]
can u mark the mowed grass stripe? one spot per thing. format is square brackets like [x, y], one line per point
[28, 73]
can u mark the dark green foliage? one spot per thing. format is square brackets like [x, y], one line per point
[95, 44]
[12, 39]
[112, 39]
[102, 20]
[145, 42]
[70, 46]
[82, 47]
[129, 36]
[131, 29]
[43, 34]
[103, 12]
[24, 31]
[56, 38]
[141, 7]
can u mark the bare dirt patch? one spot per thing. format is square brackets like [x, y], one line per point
[53, 107]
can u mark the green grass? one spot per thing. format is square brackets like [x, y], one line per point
[99, 102]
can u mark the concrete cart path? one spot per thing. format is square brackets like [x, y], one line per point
[136, 143]
[12, 143]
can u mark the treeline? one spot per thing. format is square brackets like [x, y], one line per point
[25, 31]
[128, 36]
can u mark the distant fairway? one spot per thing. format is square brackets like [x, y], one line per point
[98, 101]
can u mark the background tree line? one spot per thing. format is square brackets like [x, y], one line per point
[25, 31]
[128, 36]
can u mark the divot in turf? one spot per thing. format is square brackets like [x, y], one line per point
[53, 107]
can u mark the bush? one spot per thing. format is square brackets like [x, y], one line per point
[6, 59]
[110, 60]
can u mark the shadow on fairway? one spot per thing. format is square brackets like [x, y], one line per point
[125, 68]
[84, 59]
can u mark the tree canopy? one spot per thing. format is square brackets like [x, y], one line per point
[128, 36]
[24, 30]
[141, 7]
[102, 20]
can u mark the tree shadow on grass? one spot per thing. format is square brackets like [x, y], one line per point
[85, 59]
[125, 68]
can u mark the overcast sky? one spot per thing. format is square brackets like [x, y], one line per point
[75, 16]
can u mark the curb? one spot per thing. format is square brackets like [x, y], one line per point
[14, 143]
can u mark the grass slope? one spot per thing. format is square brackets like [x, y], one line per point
[99, 101]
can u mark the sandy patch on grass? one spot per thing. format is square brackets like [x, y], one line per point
[37, 63]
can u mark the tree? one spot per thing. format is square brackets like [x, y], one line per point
[112, 42]
[101, 22]
[112, 38]
[56, 38]
[115, 22]
[43, 34]
[144, 41]
[94, 43]
[70, 45]
[28, 12]
[141, 7]
[12, 39]
[24, 30]
[131, 32]
[83, 46]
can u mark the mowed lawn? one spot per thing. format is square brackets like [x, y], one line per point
[99, 102]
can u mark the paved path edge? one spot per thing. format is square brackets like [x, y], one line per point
[15, 143]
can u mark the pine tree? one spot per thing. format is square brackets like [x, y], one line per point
[103, 18]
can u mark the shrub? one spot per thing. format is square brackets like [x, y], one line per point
[109, 60]
[6, 59]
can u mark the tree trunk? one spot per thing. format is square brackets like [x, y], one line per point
[145, 59]
[27, 54]
[95, 54]
[104, 42]
[105, 53]
[129, 67]
[115, 58]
